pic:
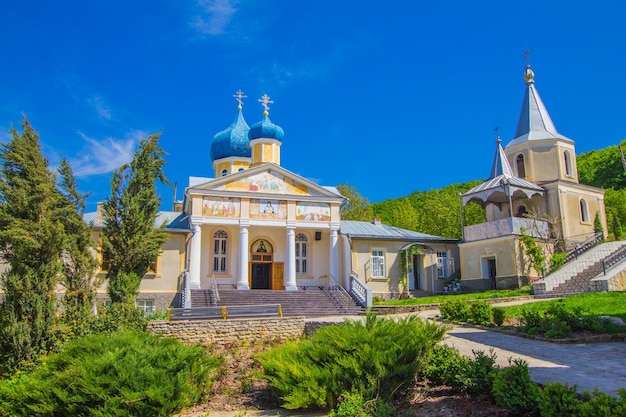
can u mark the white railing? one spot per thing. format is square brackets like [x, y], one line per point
[216, 291]
[359, 291]
[186, 291]
[505, 227]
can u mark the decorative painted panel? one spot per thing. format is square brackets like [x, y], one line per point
[268, 209]
[315, 212]
[268, 182]
[221, 207]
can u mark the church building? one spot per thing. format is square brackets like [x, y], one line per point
[532, 189]
[256, 226]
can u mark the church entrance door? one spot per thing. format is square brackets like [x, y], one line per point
[261, 276]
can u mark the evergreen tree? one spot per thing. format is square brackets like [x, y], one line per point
[78, 258]
[130, 240]
[31, 242]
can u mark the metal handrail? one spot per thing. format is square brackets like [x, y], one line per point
[582, 246]
[613, 259]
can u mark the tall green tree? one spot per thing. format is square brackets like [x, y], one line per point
[131, 241]
[357, 207]
[78, 258]
[31, 243]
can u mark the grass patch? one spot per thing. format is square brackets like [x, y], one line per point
[438, 299]
[599, 304]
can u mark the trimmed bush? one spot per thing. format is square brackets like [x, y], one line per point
[455, 310]
[598, 403]
[499, 315]
[557, 400]
[125, 373]
[446, 366]
[480, 313]
[353, 405]
[512, 388]
[482, 370]
[371, 359]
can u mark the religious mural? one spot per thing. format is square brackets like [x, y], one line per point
[268, 209]
[220, 207]
[268, 182]
[314, 212]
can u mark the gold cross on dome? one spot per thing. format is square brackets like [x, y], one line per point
[265, 100]
[526, 55]
[239, 95]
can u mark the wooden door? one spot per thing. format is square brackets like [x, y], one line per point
[278, 276]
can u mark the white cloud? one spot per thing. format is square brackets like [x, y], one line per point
[103, 156]
[214, 16]
[101, 107]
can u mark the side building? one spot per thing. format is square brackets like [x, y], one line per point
[533, 188]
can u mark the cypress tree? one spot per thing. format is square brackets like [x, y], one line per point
[31, 241]
[131, 241]
[78, 258]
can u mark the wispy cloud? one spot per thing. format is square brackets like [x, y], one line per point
[213, 16]
[99, 104]
[103, 156]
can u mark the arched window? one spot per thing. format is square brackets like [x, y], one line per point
[584, 215]
[521, 169]
[302, 254]
[224, 172]
[568, 163]
[521, 211]
[240, 169]
[220, 251]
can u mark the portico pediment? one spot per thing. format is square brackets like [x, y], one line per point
[267, 179]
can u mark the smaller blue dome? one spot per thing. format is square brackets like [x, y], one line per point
[232, 141]
[266, 129]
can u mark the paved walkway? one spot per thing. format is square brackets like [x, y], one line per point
[593, 365]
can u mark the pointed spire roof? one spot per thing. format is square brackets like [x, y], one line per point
[534, 122]
[501, 183]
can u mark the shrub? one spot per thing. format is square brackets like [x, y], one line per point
[446, 366]
[598, 403]
[125, 373]
[556, 400]
[456, 310]
[353, 405]
[498, 314]
[531, 322]
[371, 358]
[482, 370]
[480, 313]
[557, 260]
[513, 389]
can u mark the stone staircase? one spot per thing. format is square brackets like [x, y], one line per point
[302, 303]
[576, 275]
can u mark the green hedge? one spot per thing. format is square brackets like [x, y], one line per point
[124, 373]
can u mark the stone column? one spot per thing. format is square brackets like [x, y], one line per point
[196, 255]
[290, 264]
[244, 254]
[334, 253]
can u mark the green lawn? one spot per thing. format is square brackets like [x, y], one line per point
[435, 299]
[600, 303]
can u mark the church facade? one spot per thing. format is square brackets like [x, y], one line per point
[255, 225]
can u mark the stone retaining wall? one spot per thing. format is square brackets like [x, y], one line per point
[208, 332]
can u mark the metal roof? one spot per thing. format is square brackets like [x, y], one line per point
[534, 122]
[174, 220]
[367, 230]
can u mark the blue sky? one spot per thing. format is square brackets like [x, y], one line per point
[390, 97]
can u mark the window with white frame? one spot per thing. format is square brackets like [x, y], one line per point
[220, 251]
[521, 168]
[584, 214]
[224, 172]
[443, 264]
[377, 260]
[147, 306]
[568, 163]
[302, 254]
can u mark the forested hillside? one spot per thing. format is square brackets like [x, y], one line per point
[437, 212]
[604, 168]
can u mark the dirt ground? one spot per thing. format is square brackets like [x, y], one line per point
[240, 391]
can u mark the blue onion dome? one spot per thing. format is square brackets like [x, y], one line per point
[232, 141]
[266, 129]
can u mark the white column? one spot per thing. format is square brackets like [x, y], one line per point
[290, 264]
[334, 253]
[196, 261]
[244, 253]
